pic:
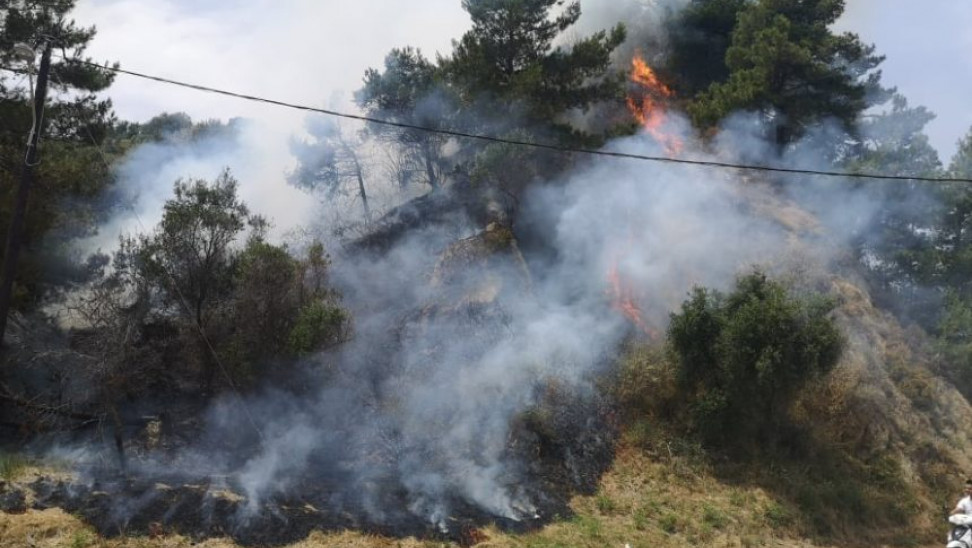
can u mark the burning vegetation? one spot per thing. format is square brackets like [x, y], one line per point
[516, 332]
[648, 101]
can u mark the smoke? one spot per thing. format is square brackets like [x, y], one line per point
[252, 152]
[646, 22]
[452, 344]
[455, 339]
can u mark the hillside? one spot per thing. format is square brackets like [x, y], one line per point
[871, 466]
[674, 273]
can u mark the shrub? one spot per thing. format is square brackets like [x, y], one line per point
[319, 324]
[742, 357]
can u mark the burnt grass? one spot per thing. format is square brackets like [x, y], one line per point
[561, 447]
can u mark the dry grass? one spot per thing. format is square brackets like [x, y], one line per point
[668, 500]
[57, 529]
[884, 400]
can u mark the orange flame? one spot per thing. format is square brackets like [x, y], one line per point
[647, 104]
[624, 300]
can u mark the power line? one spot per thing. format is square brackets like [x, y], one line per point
[503, 140]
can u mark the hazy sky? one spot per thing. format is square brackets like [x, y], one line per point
[928, 44]
[311, 51]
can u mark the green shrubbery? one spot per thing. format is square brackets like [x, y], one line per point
[205, 286]
[319, 323]
[742, 357]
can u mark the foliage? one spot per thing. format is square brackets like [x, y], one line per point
[918, 252]
[895, 246]
[190, 256]
[330, 162]
[961, 164]
[743, 356]
[785, 63]
[71, 174]
[407, 92]
[261, 310]
[319, 324]
[506, 62]
[509, 55]
[168, 127]
[218, 304]
[700, 36]
[894, 142]
[954, 236]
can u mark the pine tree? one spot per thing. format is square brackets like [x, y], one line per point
[331, 162]
[786, 64]
[71, 173]
[700, 36]
[509, 57]
[407, 91]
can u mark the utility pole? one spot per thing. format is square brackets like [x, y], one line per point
[15, 234]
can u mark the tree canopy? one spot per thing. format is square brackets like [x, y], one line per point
[71, 175]
[785, 63]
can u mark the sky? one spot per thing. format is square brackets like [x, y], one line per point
[302, 51]
[316, 51]
[928, 45]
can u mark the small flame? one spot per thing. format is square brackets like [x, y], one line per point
[647, 104]
[624, 299]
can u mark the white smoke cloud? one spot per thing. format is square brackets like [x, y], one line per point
[424, 396]
[419, 401]
[304, 52]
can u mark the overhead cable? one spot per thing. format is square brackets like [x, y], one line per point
[516, 142]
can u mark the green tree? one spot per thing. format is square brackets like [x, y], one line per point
[321, 322]
[262, 307]
[961, 164]
[235, 306]
[897, 245]
[953, 265]
[71, 175]
[191, 253]
[894, 142]
[786, 64]
[407, 91]
[743, 356]
[700, 36]
[189, 262]
[515, 60]
[953, 242]
[508, 56]
[330, 162]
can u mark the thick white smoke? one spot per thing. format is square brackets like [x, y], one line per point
[253, 154]
[422, 400]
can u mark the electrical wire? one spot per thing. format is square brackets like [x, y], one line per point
[503, 140]
[515, 142]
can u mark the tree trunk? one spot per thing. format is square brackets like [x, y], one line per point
[429, 167]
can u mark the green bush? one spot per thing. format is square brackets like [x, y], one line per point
[743, 356]
[318, 324]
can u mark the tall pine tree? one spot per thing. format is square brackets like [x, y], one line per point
[786, 64]
[71, 173]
